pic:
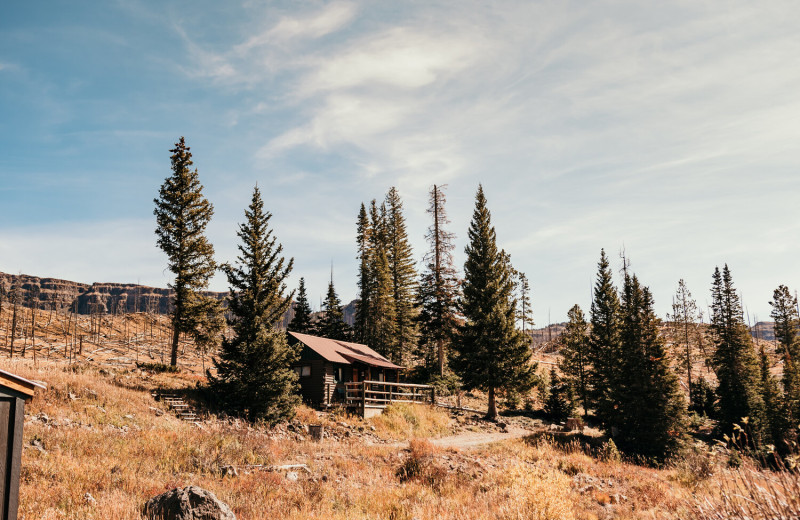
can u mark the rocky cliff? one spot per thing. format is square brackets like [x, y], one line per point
[104, 298]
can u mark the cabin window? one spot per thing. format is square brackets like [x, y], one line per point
[303, 371]
[381, 377]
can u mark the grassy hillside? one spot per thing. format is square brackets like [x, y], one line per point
[97, 445]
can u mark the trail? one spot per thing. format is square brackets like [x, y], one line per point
[472, 439]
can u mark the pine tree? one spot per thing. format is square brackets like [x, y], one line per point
[574, 364]
[524, 313]
[363, 329]
[301, 322]
[734, 359]
[332, 324]
[559, 405]
[438, 288]
[404, 279]
[381, 320]
[182, 214]
[491, 354]
[650, 406]
[253, 369]
[787, 326]
[685, 317]
[604, 343]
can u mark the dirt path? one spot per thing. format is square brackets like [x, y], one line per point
[472, 439]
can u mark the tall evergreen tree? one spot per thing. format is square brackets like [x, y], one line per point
[404, 279]
[382, 321]
[491, 354]
[253, 369]
[787, 326]
[574, 355]
[650, 406]
[604, 343]
[734, 359]
[301, 322]
[332, 324]
[684, 318]
[363, 329]
[438, 288]
[182, 214]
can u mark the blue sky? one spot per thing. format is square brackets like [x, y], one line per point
[670, 129]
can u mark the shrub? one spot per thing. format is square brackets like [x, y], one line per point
[694, 467]
[158, 368]
[609, 452]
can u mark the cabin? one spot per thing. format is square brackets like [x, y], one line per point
[326, 365]
[14, 392]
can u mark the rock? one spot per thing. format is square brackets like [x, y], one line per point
[72, 397]
[230, 471]
[89, 499]
[189, 503]
[292, 476]
[37, 443]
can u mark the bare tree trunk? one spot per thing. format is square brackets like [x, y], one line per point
[13, 329]
[688, 353]
[173, 360]
[491, 414]
[33, 334]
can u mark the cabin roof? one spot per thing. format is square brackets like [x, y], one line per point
[343, 352]
[20, 384]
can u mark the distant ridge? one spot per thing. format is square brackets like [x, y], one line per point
[104, 298]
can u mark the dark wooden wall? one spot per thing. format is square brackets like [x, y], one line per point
[11, 419]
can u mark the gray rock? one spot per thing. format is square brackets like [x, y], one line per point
[189, 503]
[292, 476]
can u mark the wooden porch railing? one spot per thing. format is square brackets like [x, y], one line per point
[378, 394]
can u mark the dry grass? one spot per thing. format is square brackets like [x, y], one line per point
[406, 421]
[105, 436]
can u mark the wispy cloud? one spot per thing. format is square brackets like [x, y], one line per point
[331, 18]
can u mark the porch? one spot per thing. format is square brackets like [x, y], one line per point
[369, 398]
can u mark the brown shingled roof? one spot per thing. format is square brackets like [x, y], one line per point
[343, 352]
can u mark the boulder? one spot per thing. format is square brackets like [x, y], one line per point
[189, 503]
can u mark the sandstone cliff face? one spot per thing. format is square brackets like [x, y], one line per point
[104, 298]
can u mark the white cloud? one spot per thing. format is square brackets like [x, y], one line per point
[400, 57]
[331, 18]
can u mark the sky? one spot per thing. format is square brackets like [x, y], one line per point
[669, 130]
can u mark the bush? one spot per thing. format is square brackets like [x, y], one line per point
[445, 385]
[694, 467]
[421, 465]
[609, 452]
[703, 398]
[158, 368]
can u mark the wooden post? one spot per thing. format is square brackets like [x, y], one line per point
[363, 397]
[433, 396]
